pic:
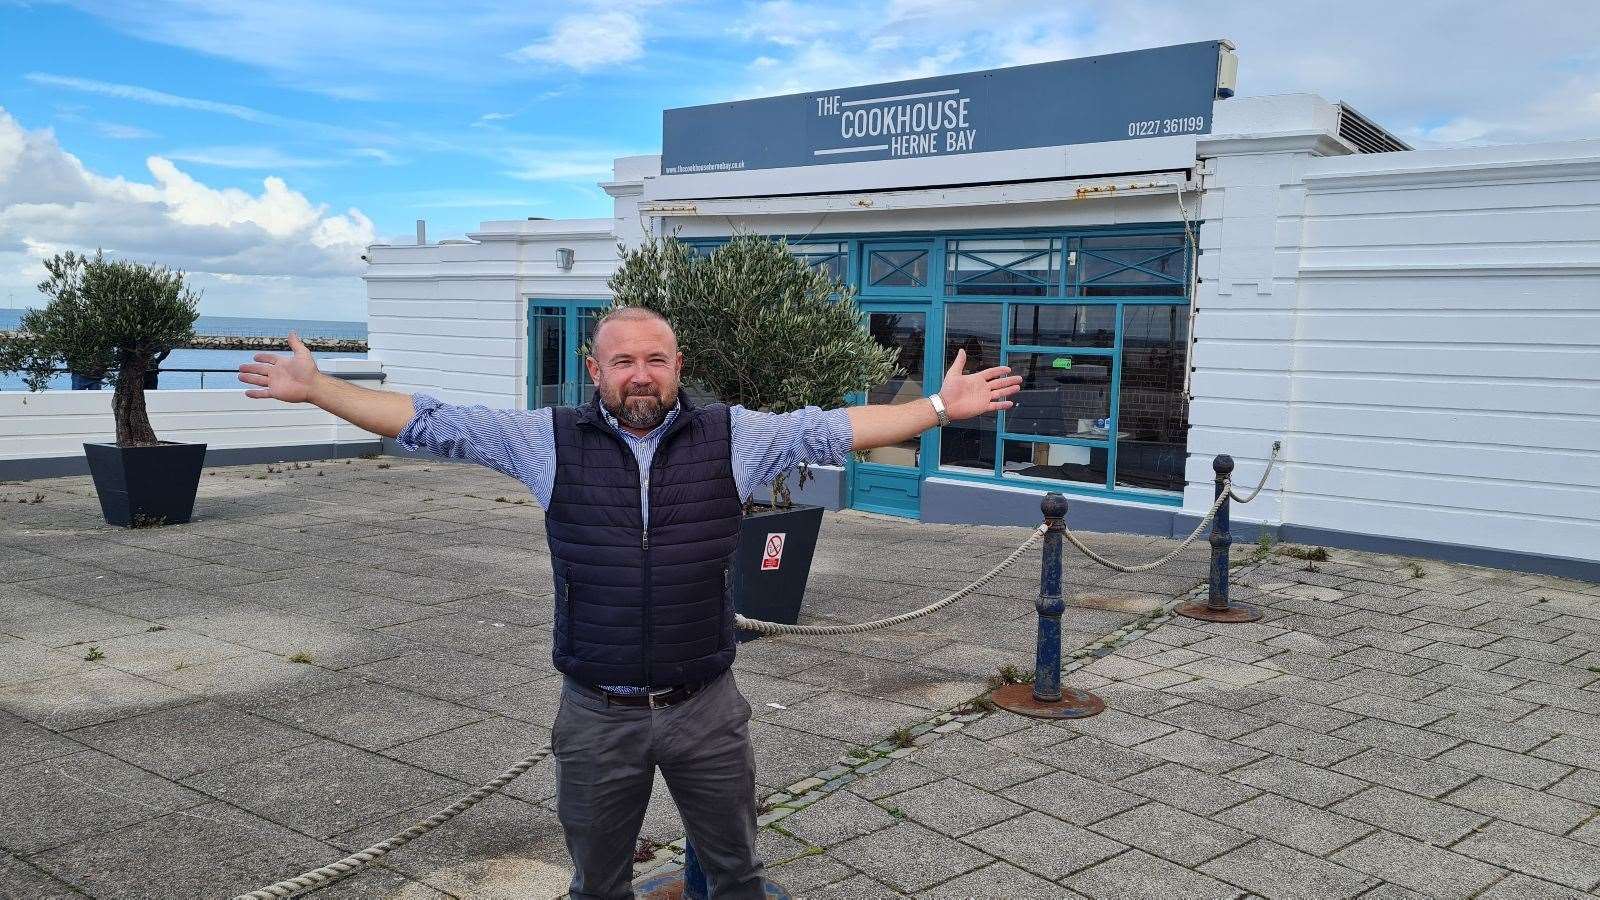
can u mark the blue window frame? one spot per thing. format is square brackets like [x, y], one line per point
[1017, 267]
[1138, 265]
[830, 257]
[557, 330]
[896, 269]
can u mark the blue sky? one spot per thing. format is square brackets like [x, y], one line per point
[260, 145]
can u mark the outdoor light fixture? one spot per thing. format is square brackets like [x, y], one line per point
[564, 258]
[1227, 71]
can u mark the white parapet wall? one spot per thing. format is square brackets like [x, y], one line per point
[51, 427]
[450, 319]
[1422, 330]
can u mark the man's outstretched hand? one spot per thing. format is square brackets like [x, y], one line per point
[286, 378]
[971, 395]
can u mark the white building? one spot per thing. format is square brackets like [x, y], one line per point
[1420, 329]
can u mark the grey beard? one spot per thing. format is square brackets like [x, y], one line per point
[644, 417]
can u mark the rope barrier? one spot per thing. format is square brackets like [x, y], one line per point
[783, 628]
[328, 874]
[1204, 524]
[1265, 471]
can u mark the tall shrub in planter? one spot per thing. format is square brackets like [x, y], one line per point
[757, 326]
[760, 329]
[114, 319]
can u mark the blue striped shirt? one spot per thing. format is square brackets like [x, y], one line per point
[522, 442]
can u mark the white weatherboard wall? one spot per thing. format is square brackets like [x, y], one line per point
[1423, 331]
[57, 423]
[450, 319]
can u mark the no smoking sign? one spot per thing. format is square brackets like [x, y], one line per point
[772, 553]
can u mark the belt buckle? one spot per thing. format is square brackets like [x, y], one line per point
[651, 696]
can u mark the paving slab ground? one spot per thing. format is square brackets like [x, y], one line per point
[333, 650]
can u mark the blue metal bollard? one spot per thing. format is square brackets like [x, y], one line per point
[1047, 698]
[1217, 608]
[1047, 657]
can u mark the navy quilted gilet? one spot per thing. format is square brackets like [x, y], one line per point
[635, 607]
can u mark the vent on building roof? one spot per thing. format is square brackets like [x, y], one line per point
[1365, 135]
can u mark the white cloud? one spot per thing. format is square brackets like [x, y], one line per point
[153, 97]
[119, 132]
[587, 40]
[354, 50]
[136, 94]
[49, 201]
[376, 154]
[825, 63]
[249, 158]
[562, 165]
[465, 199]
[785, 23]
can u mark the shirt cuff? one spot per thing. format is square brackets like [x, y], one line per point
[841, 434]
[423, 406]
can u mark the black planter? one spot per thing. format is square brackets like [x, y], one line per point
[151, 485]
[768, 588]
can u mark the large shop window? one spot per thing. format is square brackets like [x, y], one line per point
[1101, 403]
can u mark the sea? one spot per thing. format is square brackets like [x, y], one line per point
[230, 360]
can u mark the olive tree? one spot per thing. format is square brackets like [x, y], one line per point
[105, 318]
[757, 326]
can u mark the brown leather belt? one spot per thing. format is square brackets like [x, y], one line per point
[657, 699]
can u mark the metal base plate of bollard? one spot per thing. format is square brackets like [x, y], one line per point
[669, 886]
[1074, 704]
[1233, 612]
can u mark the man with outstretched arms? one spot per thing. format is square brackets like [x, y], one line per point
[642, 493]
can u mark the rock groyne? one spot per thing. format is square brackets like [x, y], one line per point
[237, 342]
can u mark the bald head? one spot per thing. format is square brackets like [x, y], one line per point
[631, 314]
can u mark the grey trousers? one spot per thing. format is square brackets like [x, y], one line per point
[605, 759]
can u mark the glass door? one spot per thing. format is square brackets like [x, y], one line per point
[889, 479]
[557, 332]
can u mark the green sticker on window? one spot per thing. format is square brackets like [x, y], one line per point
[1062, 362]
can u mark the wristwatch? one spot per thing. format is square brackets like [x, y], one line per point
[939, 411]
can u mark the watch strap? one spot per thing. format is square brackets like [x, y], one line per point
[939, 411]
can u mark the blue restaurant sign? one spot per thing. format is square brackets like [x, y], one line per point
[1123, 96]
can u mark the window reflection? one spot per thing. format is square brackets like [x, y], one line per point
[1152, 413]
[1016, 267]
[974, 327]
[898, 268]
[906, 332]
[1131, 265]
[1060, 325]
[828, 258]
[1062, 462]
[549, 348]
[1063, 395]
